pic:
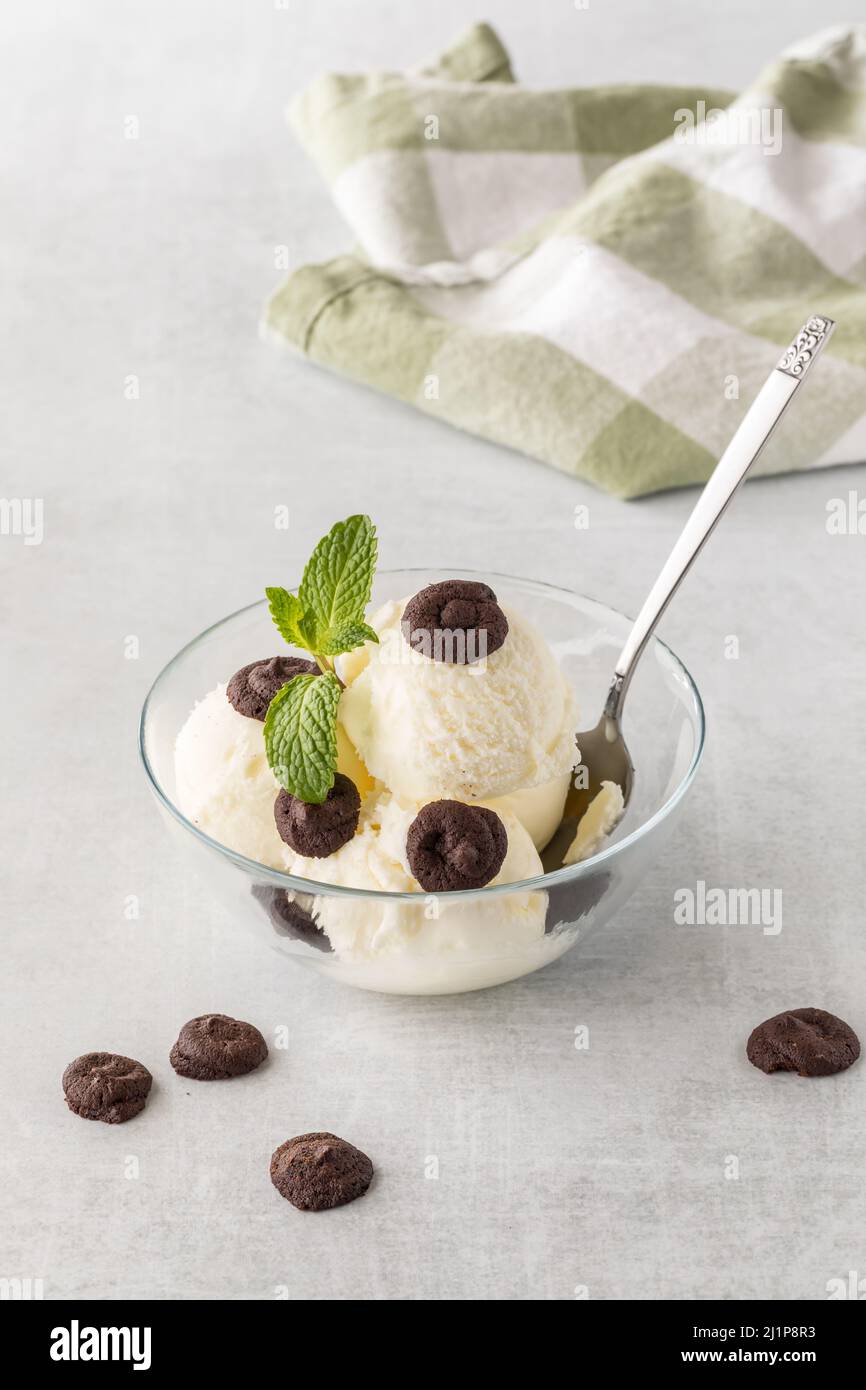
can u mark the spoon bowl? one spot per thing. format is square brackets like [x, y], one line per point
[604, 757]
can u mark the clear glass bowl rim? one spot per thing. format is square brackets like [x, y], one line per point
[569, 874]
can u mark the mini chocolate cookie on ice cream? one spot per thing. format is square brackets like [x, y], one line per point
[252, 688]
[315, 831]
[807, 1041]
[214, 1047]
[455, 609]
[318, 1171]
[105, 1086]
[452, 846]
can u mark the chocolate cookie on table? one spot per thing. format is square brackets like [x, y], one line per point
[810, 1042]
[106, 1086]
[318, 1171]
[214, 1047]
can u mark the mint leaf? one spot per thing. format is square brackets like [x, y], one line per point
[301, 736]
[325, 617]
[287, 613]
[335, 588]
[346, 638]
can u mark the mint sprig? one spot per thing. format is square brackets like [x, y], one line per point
[286, 612]
[324, 618]
[336, 586]
[301, 735]
[346, 638]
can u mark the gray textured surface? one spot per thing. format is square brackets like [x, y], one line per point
[603, 1168]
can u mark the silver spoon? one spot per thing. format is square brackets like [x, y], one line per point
[603, 750]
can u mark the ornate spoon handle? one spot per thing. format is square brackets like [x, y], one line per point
[755, 429]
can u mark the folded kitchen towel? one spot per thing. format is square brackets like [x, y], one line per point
[601, 278]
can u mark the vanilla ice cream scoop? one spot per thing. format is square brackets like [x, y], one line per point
[433, 945]
[223, 783]
[600, 818]
[500, 730]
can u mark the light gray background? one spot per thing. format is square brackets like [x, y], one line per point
[558, 1168]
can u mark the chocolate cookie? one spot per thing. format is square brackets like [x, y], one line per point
[106, 1086]
[252, 688]
[317, 831]
[318, 1171]
[289, 918]
[463, 608]
[451, 846]
[807, 1041]
[214, 1047]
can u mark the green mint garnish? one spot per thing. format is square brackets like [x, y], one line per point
[286, 612]
[301, 735]
[346, 638]
[325, 618]
[336, 586]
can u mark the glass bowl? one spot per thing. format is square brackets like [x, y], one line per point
[418, 944]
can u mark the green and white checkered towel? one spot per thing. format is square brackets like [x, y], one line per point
[600, 278]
